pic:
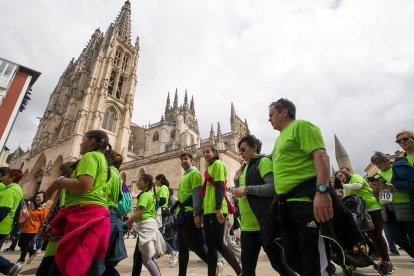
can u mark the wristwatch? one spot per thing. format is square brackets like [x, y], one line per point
[322, 188]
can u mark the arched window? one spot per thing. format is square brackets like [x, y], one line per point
[119, 88]
[131, 142]
[111, 82]
[172, 134]
[156, 136]
[109, 120]
[117, 57]
[125, 63]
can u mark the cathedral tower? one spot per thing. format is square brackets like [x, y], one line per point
[95, 91]
[341, 156]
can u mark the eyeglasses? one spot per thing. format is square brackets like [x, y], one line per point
[404, 139]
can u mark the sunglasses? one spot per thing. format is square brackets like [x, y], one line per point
[404, 139]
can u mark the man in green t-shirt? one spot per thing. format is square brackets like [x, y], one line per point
[301, 168]
[189, 233]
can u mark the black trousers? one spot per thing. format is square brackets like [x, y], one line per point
[189, 237]
[251, 242]
[24, 244]
[214, 235]
[300, 236]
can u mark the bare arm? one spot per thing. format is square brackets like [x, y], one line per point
[137, 215]
[80, 185]
[322, 203]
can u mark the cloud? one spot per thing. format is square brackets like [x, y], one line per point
[347, 65]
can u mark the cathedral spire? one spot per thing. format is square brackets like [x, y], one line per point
[167, 105]
[175, 99]
[247, 126]
[192, 104]
[123, 23]
[212, 140]
[220, 140]
[88, 52]
[341, 156]
[185, 100]
[233, 118]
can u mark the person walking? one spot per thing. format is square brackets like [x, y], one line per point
[301, 179]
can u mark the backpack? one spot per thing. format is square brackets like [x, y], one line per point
[125, 203]
[22, 214]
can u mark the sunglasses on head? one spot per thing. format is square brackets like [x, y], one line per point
[404, 139]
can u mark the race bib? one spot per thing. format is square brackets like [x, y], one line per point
[385, 196]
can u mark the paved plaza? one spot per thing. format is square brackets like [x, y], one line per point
[404, 265]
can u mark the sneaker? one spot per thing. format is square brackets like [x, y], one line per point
[389, 267]
[174, 259]
[31, 257]
[144, 268]
[8, 250]
[219, 268]
[39, 251]
[15, 270]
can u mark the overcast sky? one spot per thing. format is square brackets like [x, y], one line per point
[347, 65]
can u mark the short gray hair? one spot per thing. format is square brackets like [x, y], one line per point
[379, 157]
[283, 103]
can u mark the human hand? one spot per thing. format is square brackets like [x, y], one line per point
[322, 207]
[239, 192]
[220, 216]
[198, 220]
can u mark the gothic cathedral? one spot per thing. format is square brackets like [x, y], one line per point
[96, 91]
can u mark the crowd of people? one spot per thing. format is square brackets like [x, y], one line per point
[280, 203]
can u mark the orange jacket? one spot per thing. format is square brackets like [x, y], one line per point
[35, 221]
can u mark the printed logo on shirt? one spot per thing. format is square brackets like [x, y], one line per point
[311, 224]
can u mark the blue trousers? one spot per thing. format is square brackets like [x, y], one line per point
[5, 265]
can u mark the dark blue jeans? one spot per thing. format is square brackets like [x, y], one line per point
[403, 234]
[5, 265]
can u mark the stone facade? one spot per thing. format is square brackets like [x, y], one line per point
[96, 91]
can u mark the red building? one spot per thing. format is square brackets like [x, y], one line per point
[15, 86]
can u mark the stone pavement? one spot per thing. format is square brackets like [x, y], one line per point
[403, 264]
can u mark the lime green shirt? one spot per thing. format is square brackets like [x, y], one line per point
[190, 180]
[93, 164]
[218, 172]
[146, 200]
[113, 187]
[10, 197]
[249, 221]
[163, 192]
[291, 156]
[371, 203]
[397, 197]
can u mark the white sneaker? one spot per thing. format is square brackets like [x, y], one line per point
[39, 251]
[15, 270]
[174, 259]
[219, 268]
[144, 268]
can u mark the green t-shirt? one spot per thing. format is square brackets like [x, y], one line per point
[397, 197]
[10, 197]
[190, 180]
[371, 203]
[2, 186]
[113, 187]
[163, 192]
[249, 221]
[93, 164]
[218, 172]
[291, 156]
[146, 200]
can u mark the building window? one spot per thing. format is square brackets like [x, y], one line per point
[131, 142]
[6, 72]
[119, 87]
[111, 82]
[109, 120]
[117, 57]
[156, 136]
[125, 63]
[172, 134]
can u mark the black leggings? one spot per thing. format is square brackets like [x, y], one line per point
[376, 235]
[189, 237]
[214, 234]
[24, 244]
[251, 242]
